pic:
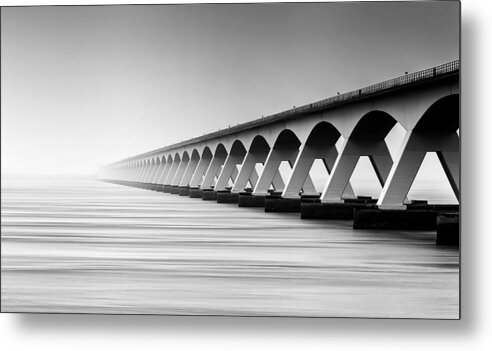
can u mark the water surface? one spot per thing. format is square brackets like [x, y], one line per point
[80, 245]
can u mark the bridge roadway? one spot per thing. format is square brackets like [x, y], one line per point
[338, 130]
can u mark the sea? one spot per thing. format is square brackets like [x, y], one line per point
[79, 245]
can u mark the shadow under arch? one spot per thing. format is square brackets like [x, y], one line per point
[434, 132]
[287, 139]
[323, 134]
[375, 125]
[441, 117]
[259, 144]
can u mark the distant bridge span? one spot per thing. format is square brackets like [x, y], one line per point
[425, 103]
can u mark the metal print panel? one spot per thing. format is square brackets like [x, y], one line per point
[287, 159]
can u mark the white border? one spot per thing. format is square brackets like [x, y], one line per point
[473, 332]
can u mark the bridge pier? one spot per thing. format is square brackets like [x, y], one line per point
[184, 191]
[227, 197]
[174, 189]
[247, 199]
[209, 194]
[196, 193]
[275, 203]
[417, 216]
[448, 229]
[323, 210]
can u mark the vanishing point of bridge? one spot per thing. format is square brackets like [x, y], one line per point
[221, 165]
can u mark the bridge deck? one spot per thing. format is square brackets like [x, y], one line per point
[407, 80]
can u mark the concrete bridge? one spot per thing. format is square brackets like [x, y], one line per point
[222, 165]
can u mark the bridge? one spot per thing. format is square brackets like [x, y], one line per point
[222, 165]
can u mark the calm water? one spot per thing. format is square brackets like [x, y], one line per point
[88, 246]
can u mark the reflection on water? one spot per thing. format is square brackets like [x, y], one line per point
[88, 246]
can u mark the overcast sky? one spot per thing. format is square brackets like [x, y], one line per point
[84, 86]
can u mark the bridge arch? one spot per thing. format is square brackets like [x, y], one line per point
[143, 169]
[166, 161]
[150, 169]
[366, 139]
[194, 159]
[215, 166]
[185, 158]
[156, 170]
[320, 144]
[202, 167]
[285, 148]
[230, 169]
[173, 169]
[256, 154]
[441, 116]
[435, 131]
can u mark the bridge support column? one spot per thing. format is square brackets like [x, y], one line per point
[142, 174]
[134, 176]
[248, 170]
[338, 200]
[157, 174]
[271, 169]
[226, 195]
[414, 148]
[302, 166]
[213, 169]
[346, 162]
[152, 169]
[200, 171]
[253, 178]
[171, 174]
[450, 161]
[392, 213]
[179, 174]
[162, 177]
[227, 171]
[184, 185]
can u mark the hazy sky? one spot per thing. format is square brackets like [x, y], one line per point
[84, 86]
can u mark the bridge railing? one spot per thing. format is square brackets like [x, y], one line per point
[443, 70]
[399, 82]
